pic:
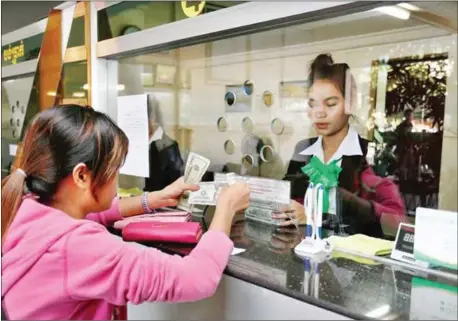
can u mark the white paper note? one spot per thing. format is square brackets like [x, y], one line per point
[13, 149]
[133, 120]
[236, 251]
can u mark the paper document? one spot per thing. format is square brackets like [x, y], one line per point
[13, 149]
[133, 120]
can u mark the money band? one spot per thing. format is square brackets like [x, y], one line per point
[145, 206]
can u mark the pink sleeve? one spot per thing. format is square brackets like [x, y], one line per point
[387, 200]
[102, 266]
[107, 217]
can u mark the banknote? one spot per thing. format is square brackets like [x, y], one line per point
[196, 166]
[264, 190]
[207, 194]
[267, 195]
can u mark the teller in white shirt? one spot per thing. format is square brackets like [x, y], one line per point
[360, 199]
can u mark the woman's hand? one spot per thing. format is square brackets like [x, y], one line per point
[171, 194]
[294, 214]
[231, 200]
[284, 239]
[235, 198]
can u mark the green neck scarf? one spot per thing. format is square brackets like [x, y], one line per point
[324, 174]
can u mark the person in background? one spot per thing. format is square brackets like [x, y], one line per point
[165, 162]
[360, 198]
[404, 146]
[59, 261]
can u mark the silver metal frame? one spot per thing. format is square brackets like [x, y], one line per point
[241, 19]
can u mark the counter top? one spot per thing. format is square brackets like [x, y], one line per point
[339, 284]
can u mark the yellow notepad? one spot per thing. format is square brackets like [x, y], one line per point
[363, 244]
[360, 243]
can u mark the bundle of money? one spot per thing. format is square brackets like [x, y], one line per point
[207, 194]
[196, 166]
[267, 196]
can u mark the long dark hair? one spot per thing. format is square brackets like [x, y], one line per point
[324, 68]
[56, 141]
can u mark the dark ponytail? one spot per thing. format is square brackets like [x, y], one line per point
[12, 192]
[56, 141]
[324, 68]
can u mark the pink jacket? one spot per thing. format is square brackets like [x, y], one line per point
[57, 267]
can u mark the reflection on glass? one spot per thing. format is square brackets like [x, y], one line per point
[267, 98]
[248, 87]
[77, 34]
[222, 124]
[248, 162]
[247, 125]
[276, 126]
[229, 147]
[310, 107]
[74, 77]
[230, 98]
[267, 153]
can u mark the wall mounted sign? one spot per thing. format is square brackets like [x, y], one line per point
[13, 52]
[22, 50]
[192, 8]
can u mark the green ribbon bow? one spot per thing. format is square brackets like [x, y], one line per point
[324, 174]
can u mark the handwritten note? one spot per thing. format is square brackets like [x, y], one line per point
[133, 120]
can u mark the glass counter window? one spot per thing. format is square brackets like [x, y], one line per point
[380, 111]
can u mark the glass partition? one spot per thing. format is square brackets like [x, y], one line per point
[255, 106]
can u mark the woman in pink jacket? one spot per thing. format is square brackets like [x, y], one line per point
[58, 265]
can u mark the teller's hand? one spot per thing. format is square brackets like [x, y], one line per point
[285, 239]
[294, 214]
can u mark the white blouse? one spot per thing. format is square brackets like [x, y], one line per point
[349, 147]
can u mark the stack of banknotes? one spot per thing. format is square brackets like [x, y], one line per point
[267, 195]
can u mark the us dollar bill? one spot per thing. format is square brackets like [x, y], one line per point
[207, 194]
[196, 166]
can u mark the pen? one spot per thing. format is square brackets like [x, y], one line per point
[319, 212]
[308, 203]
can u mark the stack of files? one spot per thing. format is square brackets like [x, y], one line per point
[162, 217]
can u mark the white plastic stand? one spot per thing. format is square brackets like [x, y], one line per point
[313, 245]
